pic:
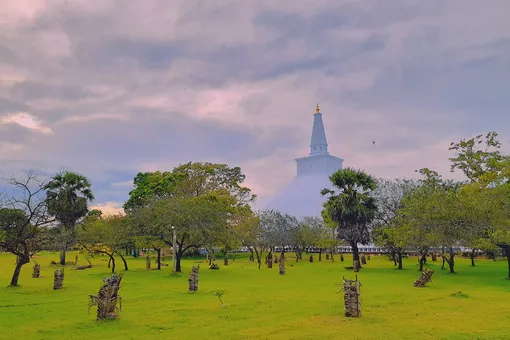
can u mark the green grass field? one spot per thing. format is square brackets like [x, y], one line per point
[260, 304]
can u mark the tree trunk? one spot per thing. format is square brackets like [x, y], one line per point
[400, 266]
[320, 254]
[270, 259]
[422, 261]
[159, 258]
[123, 260]
[355, 252]
[451, 263]
[109, 262]
[178, 262]
[112, 259]
[63, 253]
[17, 270]
[331, 254]
[473, 257]
[507, 252]
[252, 258]
[297, 256]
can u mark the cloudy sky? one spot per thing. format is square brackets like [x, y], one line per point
[109, 88]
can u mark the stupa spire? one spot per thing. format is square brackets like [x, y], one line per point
[319, 143]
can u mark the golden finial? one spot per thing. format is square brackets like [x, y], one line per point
[317, 108]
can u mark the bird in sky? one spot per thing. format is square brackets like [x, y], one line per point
[373, 142]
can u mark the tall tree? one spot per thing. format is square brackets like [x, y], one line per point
[481, 161]
[441, 209]
[202, 178]
[352, 208]
[476, 157]
[390, 231]
[67, 197]
[150, 185]
[23, 221]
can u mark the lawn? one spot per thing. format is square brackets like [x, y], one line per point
[260, 304]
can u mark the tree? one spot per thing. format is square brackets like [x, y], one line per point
[149, 185]
[390, 230]
[481, 161]
[305, 235]
[202, 178]
[196, 220]
[442, 210]
[276, 231]
[67, 197]
[475, 160]
[23, 221]
[352, 208]
[108, 235]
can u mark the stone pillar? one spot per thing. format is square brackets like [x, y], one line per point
[193, 279]
[311, 258]
[282, 264]
[342, 257]
[148, 262]
[58, 279]
[352, 298]
[426, 276]
[106, 300]
[37, 271]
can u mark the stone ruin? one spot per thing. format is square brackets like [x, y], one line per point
[148, 262]
[193, 279]
[37, 271]
[342, 257]
[311, 258]
[58, 279]
[356, 266]
[352, 294]
[363, 259]
[327, 256]
[281, 270]
[107, 299]
[425, 277]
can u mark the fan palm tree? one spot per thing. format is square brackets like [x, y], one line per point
[351, 209]
[67, 197]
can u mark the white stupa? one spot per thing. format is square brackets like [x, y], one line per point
[302, 196]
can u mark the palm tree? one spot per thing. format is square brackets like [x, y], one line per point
[67, 195]
[352, 209]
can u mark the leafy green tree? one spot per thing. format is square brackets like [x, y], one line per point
[105, 235]
[203, 178]
[23, 221]
[442, 210]
[481, 161]
[150, 185]
[352, 208]
[197, 220]
[67, 197]
[477, 157]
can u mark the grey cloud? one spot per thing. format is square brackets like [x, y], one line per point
[426, 87]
